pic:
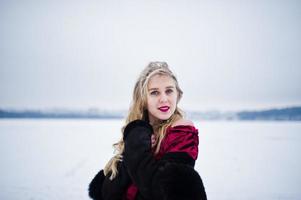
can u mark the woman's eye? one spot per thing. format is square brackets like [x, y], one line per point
[154, 93]
[169, 91]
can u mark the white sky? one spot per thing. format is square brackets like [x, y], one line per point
[227, 55]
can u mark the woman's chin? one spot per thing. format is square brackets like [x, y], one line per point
[164, 117]
[159, 117]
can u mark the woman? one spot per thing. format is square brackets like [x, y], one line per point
[156, 155]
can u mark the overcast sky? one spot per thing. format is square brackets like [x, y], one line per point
[227, 55]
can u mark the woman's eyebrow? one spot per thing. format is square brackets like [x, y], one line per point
[167, 87]
[153, 89]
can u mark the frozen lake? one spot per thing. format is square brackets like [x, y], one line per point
[56, 159]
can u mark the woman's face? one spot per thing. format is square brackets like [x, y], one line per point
[161, 98]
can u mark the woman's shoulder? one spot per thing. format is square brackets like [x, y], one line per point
[181, 126]
[182, 122]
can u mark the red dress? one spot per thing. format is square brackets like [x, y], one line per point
[181, 138]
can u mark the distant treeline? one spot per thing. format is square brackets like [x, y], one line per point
[285, 114]
[60, 114]
[293, 113]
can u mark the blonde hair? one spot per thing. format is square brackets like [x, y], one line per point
[138, 110]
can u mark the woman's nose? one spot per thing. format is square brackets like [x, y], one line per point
[163, 98]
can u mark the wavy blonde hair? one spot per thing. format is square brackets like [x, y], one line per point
[138, 110]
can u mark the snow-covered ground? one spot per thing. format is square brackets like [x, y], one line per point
[56, 159]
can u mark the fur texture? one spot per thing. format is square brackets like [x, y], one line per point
[96, 185]
[178, 182]
[134, 124]
[178, 157]
[102, 188]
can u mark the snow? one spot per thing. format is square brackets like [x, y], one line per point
[56, 159]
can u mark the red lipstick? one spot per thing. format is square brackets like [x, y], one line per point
[164, 108]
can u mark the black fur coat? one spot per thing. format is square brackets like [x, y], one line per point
[172, 177]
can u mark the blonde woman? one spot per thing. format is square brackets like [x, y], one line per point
[156, 154]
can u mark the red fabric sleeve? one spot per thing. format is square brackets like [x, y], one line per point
[182, 138]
